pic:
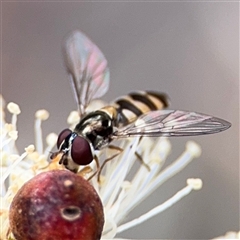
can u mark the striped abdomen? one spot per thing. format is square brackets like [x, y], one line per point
[133, 105]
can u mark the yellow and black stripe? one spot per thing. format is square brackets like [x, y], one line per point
[133, 105]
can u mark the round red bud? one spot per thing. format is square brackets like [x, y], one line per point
[54, 205]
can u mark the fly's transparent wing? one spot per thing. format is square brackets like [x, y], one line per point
[87, 68]
[173, 123]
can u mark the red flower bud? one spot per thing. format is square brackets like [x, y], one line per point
[56, 205]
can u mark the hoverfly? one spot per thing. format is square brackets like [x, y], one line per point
[137, 114]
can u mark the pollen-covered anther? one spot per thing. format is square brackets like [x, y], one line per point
[42, 114]
[8, 127]
[34, 156]
[13, 135]
[29, 149]
[73, 117]
[13, 108]
[193, 148]
[42, 162]
[195, 183]
[51, 139]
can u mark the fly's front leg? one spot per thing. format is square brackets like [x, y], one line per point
[84, 171]
[97, 166]
[118, 149]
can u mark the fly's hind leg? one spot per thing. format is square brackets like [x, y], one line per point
[118, 149]
[139, 157]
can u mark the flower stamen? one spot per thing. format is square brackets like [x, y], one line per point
[162, 207]
[40, 115]
[15, 162]
[15, 110]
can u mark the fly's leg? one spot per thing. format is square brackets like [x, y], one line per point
[97, 166]
[119, 150]
[109, 159]
[139, 157]
[84, 171]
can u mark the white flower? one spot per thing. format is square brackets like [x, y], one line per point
[120, 188]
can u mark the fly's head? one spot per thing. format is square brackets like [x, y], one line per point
[75, 150]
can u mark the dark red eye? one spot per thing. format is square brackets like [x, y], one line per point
[81, 152]
[62, 135]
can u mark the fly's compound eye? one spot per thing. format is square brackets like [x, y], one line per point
[81, 152]
[62, 136]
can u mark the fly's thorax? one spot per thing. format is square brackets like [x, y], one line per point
[111, 111]
[96, 127]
